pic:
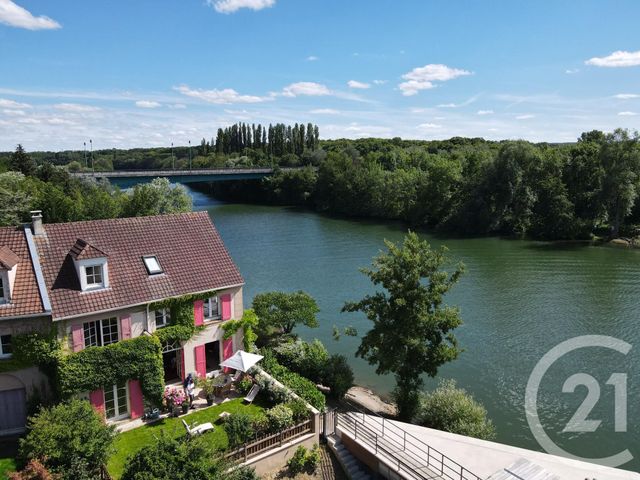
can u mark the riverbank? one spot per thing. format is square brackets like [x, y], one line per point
[371, 401]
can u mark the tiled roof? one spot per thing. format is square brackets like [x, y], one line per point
[187, 246]
[81, 250]
[25, 298]
[8, 259]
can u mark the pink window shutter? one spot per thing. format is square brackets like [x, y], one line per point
[77, 334]
[125, 327]
[198, 312]
[136, 400]
[201, 361]
[226, 306]
[96, 398]
[227, 350]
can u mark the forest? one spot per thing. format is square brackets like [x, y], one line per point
[466, 186]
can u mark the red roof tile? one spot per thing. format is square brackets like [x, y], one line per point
[8, 259]
[187, 246]
[81, 250]
[25, 299]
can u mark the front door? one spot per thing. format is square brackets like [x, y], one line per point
[116, 405]
[13, 411]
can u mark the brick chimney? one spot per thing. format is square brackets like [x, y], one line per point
[36, 222]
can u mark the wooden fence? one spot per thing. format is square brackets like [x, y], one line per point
[269, 442]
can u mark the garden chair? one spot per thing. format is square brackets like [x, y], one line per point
[251, 396]
[197, 430]
[236, 376]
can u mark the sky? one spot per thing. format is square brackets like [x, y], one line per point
[150, 73]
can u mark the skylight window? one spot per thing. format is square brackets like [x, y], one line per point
[152, 265]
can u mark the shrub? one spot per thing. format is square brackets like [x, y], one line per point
[67, 435]
[305, 358]
[279, 417]
[244, 386]
[299, 409]
[338, 376]
[239, 428]
[304, 460]
[34, 470]
[274, 393]
[453, 410]
[300, 385]
[260, 423]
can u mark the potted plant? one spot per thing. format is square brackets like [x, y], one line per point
[175, 399]
[208, 388]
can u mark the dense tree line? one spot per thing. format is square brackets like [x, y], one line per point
[471, 186]
[63, 198]
[277, 140]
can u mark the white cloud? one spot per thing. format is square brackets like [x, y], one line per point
[571, 71]
[429, 126]
[359, 85]
[485, 112]
[225, 96]
[230, 6]
[380, 82]
[627, 114]
[526, 116]
[147, 104]
[16, 16]
[627, 96]
[13, 112]
[468, 101]
[305, 88]
[312, 58]
[325, 111]
[422, 78]
[75, 107]
[619, 58]
[178, 106]
[59, 121]
[5, 103]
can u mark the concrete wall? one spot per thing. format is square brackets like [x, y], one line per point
[277, 458]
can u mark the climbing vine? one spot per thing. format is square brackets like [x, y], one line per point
[96, 367]
[182, 324]
[34, 348]
[247, 323]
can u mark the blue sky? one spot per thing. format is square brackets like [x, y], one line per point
[148, 73]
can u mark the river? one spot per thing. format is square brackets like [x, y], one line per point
[518, 299]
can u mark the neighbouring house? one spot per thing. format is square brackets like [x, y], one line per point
[100, 282]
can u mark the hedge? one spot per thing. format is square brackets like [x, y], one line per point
[94, 367]
[303, 387]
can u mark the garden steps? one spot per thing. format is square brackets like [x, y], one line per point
[353, 467]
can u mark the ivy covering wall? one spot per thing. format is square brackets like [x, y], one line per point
[94, 367]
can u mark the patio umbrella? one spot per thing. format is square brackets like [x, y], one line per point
[242, 361]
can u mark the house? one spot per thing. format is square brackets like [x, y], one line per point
[105, 281]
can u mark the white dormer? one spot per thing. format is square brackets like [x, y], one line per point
[91, 266]
[8, 267]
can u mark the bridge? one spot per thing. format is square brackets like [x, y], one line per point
[129, 178]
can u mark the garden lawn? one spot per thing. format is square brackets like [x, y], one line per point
[6, 465]
[128, 443]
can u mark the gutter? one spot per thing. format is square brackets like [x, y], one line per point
[35, 261]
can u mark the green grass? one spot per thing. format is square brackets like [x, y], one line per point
[6, 465]
[128, 443]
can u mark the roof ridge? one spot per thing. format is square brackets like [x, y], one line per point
[127, 219]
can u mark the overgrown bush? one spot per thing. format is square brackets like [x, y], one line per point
[273, 393]
[260, 423]
[279, 417]
[68, 439]
[239, 428]
[452, 409]
[299, 409]
[308, 359]
[34, 470]
[338, 376]
[304, 460]
[244, 385]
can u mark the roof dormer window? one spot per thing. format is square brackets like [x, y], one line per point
[152, 265]
[91, 266]
[8, 267]
[3, 296]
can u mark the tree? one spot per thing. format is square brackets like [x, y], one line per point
[412, 330]
[452, 409]
[338, 376]
[280, 312]
[155, 198]
[68, 437]
[15, 199]
[171, 459]
[21, 162]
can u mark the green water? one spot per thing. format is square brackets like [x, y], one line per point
[518, 299]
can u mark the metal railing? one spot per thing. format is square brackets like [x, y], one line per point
[400, 449]
[268, 442]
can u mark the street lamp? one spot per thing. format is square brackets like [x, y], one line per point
[189, 154]
[85, 155]
[173, 160]
[91, 146]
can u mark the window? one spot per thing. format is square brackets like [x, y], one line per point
[152, 265]
[3, 299]
[94, 276]
[163, 316]
[5, 346]
[212, 308]
[115, 402]
[101, 332]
